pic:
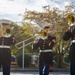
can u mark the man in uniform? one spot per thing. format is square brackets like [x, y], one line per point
[5, 52]
[45, 53]
[70, 34]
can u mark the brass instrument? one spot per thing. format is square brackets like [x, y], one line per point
[43, 34]
[70, 19]
[5, 27]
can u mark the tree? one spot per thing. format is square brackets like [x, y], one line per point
[56, 19]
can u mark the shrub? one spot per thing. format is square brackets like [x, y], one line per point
[13, 58]
[66, 59]
[27, 60]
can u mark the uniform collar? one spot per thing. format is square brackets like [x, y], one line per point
[7, 35]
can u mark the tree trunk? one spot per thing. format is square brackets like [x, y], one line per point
[60, 60]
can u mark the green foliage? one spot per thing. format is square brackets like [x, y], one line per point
[56, 19]
[66, 58]
[34, 20]
[27, 60]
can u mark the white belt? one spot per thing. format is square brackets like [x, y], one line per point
[1, 46]
[73, 41]
[49, 50]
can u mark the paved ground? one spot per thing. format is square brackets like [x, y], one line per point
[36, 73]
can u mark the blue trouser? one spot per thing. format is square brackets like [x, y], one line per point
[6, 69]
[44, 70]
[72, 59]
[45, 62]
[72, 68]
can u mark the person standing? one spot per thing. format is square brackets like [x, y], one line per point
[70, 35]
[45, 52]
[5, 51]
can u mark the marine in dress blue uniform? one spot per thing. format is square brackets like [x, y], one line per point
[70, 34]
[5, 52]
[45, 52]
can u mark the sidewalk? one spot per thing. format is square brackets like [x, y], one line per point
[36, 73]
[36, 70]
[33, 68]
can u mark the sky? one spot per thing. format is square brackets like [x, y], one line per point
[10, 9]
